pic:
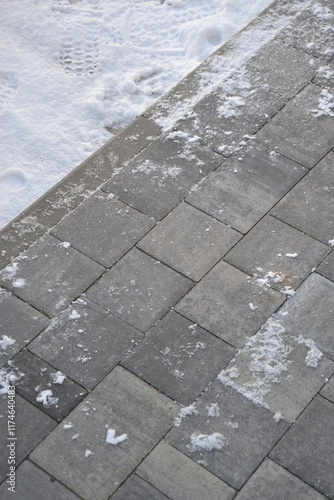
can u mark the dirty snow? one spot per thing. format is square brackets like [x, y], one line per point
[76, 71]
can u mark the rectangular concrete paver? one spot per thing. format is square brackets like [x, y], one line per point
[274, 247]
[227, 303]
[80, 457]
[180, 478]
[302, 131]
[271, 480]
[227, 434]
[179, 358]
[18, 321]
[159, 178]
[308, 206]
[187, 262]
[312, 31]
[279, 371]
[85, 342]
[49, 275]
[137, 489]
[309, 313]
[246, 186]
[189, 241]
[103, 228]
[36, 377]
[31, 427]
[139, 289]
[32, 483]
[307, 449]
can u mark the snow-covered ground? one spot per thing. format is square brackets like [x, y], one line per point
[72, 72]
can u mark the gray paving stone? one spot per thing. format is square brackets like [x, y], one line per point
[253, 93]
[179, 358]
[34, 484]
[310, 313]
[139, 289]
[18, 321]
[103, 228]
[181, 478]
[121, 402]
[270, 479]
[221, 302]
[308, 205]
[159, 178]
[77, 185]
[31, 426]
[224, 120]
[227, 434]
[312, 31]
[189, 241]
[277, 370]
[49, 276]
[274, 247]
[246, 186]
[136, 488]
[36, 377]
[326, 268]
[307, 143]
[307, 449]
[85, 342]
[328, 390]
[274, 64]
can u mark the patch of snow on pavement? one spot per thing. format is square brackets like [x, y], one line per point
[112, 439]
[75, 72]
[206, 442]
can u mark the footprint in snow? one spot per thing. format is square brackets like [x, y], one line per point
[9, 84]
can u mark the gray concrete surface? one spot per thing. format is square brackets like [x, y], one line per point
[174, 295]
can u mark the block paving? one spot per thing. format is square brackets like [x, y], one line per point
[167, 310]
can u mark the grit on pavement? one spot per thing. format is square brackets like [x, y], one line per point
[167, 310]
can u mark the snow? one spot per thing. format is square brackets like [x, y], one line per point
[7, 379]
[58, 377]
[6, 342]
[112, 439]
[74, 315]
[314, 354]
[46, 398]
[76, 71]
[206, 442]
[213, 410]
[184, 412]
[326, 104]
